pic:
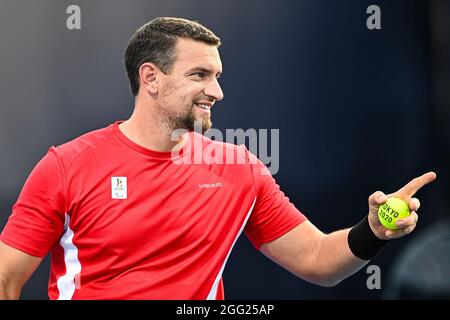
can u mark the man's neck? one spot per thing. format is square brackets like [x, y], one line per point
[145, 129]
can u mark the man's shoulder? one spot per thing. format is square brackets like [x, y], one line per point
[73, 148]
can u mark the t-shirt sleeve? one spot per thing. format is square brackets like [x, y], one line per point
[273, 214]
[37, 218]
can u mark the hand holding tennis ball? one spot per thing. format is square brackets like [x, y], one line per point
[391, 211]
[394, 215]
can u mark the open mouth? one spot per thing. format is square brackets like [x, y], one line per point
[203, 106]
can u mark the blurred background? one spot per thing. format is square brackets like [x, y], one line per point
[358, 110]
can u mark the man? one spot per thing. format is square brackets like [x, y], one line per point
[124, 220]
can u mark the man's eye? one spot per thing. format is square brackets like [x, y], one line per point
[200, 75]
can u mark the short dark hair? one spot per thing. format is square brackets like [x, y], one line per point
[155, 42]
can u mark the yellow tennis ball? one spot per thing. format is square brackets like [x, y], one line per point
[391, 211]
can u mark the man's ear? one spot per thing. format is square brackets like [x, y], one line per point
[149, 77]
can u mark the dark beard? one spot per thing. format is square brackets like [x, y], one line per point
[188, 122]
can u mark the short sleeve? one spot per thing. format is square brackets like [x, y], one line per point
[37, 218]
[273, 214]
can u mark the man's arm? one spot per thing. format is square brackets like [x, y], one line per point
[16, 267]
[326, 259]
[314, 256]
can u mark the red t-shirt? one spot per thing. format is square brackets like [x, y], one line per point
[125, 222]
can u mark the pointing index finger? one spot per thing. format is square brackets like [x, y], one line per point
[416, 184]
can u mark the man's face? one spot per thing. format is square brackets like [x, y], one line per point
[190, 89]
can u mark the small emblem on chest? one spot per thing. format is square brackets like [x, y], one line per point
[118, 187]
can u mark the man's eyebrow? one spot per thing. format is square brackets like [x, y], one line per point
[203, 69]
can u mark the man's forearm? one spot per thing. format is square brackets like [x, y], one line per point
[334, 259]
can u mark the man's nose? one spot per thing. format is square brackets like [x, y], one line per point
[214, 90]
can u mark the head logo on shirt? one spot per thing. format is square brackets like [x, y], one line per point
[118, 187]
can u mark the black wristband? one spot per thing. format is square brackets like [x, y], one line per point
[363, 242]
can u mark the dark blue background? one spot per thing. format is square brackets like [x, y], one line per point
[354, 107]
